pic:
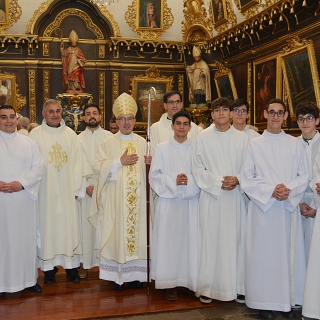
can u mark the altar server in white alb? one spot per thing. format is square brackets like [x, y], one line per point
[175, 248]
[161, 131]
[311, 301]
[218, 154]
[90, 139]
[118, 207]
[274, 176]
[21, 170]
[63, 181]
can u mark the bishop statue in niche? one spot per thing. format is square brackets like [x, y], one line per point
[73, 62]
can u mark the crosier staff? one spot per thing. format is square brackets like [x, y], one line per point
[152, 90]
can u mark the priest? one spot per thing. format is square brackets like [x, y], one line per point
[63, 181]
[176, 227]
[20, 173]
[274, 176]
[118, 207]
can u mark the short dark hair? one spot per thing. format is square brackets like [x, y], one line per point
[113, 120]
[220, 102]
[6, 107]
[276, 101]
[89, 105]
[181, 114]
[306, 107]
[240, 102]
[169, 94]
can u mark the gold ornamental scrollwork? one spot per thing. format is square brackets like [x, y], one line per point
[13, 15]
[249, 10]
[32, 95]
[132, 19]
[46, 85]
[196, 27]
[249, 87]
[102, 95]
[115, 86]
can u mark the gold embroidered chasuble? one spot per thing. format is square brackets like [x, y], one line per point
[118, 207]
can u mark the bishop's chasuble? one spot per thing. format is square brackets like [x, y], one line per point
[118, 209]
[66, 169]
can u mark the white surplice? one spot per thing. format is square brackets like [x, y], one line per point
[250, 132]
[65, 172]
[90, 141]
[176, 234]
[311, 301]
[161, 131]
[118, 209]
[222, 213]
[21, 161]
[270, 277]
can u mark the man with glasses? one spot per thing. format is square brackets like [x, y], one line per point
[161, 131]
[118, 207]
[274, 175]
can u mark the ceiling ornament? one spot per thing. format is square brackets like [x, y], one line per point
[15, 12]
[132, 20]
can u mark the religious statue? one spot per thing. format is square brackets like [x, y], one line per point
[198, 79]
[73, 62]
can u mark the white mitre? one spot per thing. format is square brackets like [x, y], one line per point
[196, 52]
[73, 37]
[124, 104]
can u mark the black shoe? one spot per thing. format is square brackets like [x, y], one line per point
[72, 275]
[36, 288]
[119, 287]
[266, 314]
[137, 284]
[240, 298]
[2, 294]
[50, 276]
[289, 314]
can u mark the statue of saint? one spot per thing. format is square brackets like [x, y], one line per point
[73, 62]
[199, 79]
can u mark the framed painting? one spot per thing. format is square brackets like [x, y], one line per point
[300, 73]
[149, 14]
[218, 11]
[267, 80]
[225, 83]
[140, 89]
[4, 12]
[246, 4]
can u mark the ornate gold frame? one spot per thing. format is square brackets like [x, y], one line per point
[225, 13]
[16, 100]
[222, 78]
[12, 12]
[133, 20]
[249, 9]
[229, 19]
[297, 56]
[151, 79]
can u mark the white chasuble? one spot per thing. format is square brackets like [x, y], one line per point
[65, 171]
[270, 273]
[118, 209]
[176, 234]
[222, 213]
[311, 301]
[21, 161]
[90, 141]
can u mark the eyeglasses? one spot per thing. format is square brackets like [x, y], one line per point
[126, 119]
[308, 119]
[242, 111]
[273, 113]
[172, 102]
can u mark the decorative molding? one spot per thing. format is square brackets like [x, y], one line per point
[102, 51]
[149, 33]
[115, 86]
[181, 84]
[14, 15]
[32, 95]
[46, 85]
[196, 27]
[251, 9]
[45, 49]
[73, 12]
[295, 43]
[249, 89]
[102, 96]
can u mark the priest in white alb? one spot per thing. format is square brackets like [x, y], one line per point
[218, 154]
[176, 234]
[274, 176]
[90, 140]
[118, 207]
[64, 180]
[21, 170]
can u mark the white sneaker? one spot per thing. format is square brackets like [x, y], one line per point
[240, 298]
[205, 299]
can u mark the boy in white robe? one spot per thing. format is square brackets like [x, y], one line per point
[21, 170]
[218, 154]
[118, 207]
[90, 140]
[176, 229]
[274, 176]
